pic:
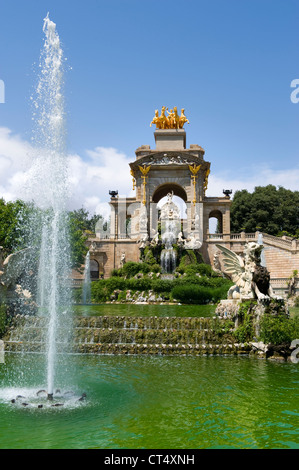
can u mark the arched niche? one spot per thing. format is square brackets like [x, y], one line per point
[94, 269]
[162, 191]
[215, 221]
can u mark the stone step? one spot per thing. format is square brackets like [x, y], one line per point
[94, 335]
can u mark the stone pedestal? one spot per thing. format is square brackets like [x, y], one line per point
[170, 139]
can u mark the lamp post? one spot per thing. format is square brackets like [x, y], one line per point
[227, 192]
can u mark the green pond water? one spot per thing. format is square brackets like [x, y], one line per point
[139, 310]
[152, 402]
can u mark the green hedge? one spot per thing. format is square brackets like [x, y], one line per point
[188, 289]
[197, 294]
[278, 329]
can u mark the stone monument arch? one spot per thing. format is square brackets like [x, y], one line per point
[169, 168]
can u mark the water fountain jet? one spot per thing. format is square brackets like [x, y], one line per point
[48, 186]
[86, 295]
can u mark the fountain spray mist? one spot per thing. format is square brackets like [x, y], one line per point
[49, 191]
[86, 294]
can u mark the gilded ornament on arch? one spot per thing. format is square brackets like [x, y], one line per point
[133, 178]
[172, 121]
[205, 184]
[144, 169]
[194, 169]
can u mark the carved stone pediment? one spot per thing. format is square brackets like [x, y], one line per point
[165, 159]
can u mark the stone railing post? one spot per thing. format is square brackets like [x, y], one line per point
[294, 244]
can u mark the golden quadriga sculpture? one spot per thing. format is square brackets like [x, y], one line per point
[172, 121]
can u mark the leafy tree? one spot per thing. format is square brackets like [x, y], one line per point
[14, 225]
[77, 241]
[267, 209]
[21, 226]
[83, 218]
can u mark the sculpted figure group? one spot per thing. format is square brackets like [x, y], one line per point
[172, 121]
[252, 281]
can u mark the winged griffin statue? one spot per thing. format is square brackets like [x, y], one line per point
[252, 281]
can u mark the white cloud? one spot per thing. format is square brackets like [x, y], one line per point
[105, 169]
[14, 154]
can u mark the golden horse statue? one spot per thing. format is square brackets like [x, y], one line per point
[172, 121]
[156, 119]
[182, 119]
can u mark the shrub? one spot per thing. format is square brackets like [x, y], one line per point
[99, 292]
[130, 269]
[116, 272]
[245, 331]
[141, 284]
[196, 294]
[155, 268]
[278, 329]
[162, 285]
[205, 270]
[192, 269]
[149, 257]
[113, 283]
[188, 258]
[213, 282]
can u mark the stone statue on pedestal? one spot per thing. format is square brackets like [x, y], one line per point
[252, 281]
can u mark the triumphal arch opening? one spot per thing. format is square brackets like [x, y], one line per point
[161, 176]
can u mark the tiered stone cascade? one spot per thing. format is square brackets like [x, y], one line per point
[132, 335]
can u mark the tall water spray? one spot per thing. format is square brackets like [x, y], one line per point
[49, 191]
[86, 296]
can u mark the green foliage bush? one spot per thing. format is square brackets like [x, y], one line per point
[192, 269]
[196, 294]
[278, 329]
[186, 289]
[161, 285]
[130, 269]
[142, 284]
[245, 331]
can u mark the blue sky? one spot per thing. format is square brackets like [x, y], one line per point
[229, 63]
